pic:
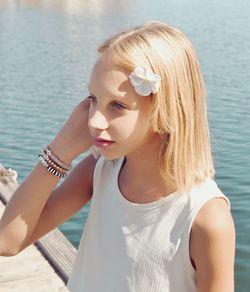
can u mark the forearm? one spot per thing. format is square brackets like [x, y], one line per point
[24, 209]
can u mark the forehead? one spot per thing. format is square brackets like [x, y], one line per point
[108, 78]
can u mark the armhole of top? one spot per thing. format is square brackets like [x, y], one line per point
[186, 238]
[97, 170]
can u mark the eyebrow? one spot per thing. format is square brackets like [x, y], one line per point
[128, 98]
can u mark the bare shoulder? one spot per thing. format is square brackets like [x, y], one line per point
[83, 170]
[79, 183]
[215, 214]
[212, 246]
[77, 188]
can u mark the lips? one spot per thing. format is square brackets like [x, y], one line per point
[99, 142]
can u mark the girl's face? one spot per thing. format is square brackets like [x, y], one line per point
[117, 113]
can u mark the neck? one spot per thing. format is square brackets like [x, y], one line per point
[142, 169]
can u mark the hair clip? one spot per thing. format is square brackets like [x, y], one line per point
[145, 81]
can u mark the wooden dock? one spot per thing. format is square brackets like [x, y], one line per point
[43, 266]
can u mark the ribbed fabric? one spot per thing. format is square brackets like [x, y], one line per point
[137, 247]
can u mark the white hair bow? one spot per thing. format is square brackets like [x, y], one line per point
[145, 81]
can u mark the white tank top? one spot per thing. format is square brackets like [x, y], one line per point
[137, 247]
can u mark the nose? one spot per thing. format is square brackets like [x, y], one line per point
[97, 121]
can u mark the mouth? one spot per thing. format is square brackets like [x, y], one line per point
[102, 142]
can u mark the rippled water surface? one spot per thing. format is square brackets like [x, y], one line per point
[47, 49]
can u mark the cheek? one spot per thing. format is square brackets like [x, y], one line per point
[126, 125]
[132, 126]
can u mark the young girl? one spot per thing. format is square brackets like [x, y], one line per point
[157, 221]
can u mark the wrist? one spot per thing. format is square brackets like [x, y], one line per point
[61, 153]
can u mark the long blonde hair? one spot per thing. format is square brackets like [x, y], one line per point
[179, 110]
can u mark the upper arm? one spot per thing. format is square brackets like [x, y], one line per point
[66, 199]
[212, 247]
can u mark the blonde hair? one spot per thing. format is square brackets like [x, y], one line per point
[179, 111]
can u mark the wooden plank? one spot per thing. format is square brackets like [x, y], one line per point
[28, 271]
[57, 252]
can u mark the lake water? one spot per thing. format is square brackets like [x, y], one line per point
[47, 49]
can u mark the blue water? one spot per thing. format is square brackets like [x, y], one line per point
[47, 49]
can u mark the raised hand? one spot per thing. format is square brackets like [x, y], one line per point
[73, 138]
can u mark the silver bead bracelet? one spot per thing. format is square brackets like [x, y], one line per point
[50, 168]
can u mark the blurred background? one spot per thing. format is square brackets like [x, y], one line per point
[47, 50]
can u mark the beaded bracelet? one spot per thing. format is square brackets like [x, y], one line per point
[47, 158]
[48, 151]
[53, 164]
[50, 168]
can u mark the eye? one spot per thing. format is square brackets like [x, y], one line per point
[91, 99]
[119, 106]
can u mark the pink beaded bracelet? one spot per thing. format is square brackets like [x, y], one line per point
[50, 168]
[48, 151]
[53, 164]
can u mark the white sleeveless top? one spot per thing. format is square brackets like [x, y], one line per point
[137, 247]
